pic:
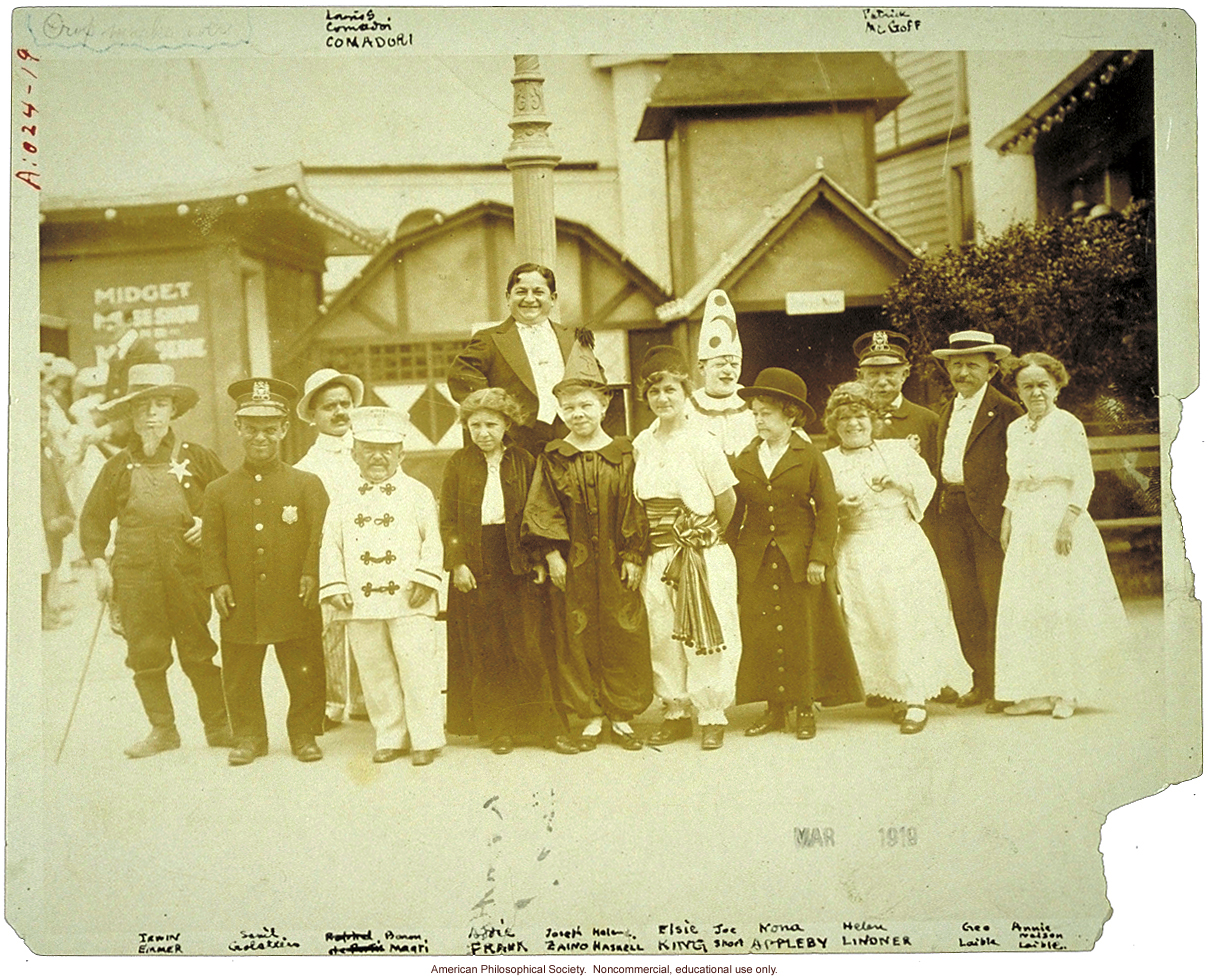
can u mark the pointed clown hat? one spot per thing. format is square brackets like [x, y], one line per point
[582, 367]
[718, 329]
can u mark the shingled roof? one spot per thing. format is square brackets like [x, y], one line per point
[693, 82]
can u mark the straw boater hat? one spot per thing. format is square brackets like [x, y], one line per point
[379, 425]
[778, 382]
[322, 379]
[882, 348]
[262, 397]
[152, 380]
[718, 329]
[971, 341]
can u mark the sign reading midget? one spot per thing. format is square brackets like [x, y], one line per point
[158, 310]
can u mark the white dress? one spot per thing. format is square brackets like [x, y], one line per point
[892, 593]
[691, 467]
[1057, 615]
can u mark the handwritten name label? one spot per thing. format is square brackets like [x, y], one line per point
[362, 30]
[890, 20]
[264, 939]
[871, 935]
[492, 939]
[353, 942]
[782, 936]
[1038, 937]
[159, 943]
[163, 29]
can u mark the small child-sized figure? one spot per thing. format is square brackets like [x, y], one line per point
[381, 562]
[582, 513]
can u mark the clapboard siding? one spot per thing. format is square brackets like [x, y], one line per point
[913, 187]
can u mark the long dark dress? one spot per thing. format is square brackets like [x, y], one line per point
[583, 504]
[498, 680]
[795, 649]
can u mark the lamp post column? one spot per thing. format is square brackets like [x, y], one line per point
[531, 158]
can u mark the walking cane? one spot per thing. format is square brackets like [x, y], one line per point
[96, 631]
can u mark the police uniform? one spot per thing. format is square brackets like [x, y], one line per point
[903, 419]
[379, 539]
[157, 580]
[261, 532]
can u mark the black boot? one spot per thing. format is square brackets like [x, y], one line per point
[153, 691]
[211, 706]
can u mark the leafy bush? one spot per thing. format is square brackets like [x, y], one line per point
[1081, 290]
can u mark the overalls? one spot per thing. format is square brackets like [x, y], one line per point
[158, 591]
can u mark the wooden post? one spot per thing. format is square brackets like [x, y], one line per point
[531, 158]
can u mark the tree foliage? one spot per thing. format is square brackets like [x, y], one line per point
[1081, 290]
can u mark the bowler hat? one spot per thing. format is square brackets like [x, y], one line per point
[778, 382]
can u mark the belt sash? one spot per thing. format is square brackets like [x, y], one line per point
[672, 524]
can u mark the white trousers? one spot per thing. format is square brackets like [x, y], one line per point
[401, 676]
[683, 679]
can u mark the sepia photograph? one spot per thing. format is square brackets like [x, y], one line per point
[704, 476]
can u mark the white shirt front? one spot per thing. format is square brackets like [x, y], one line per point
[545, 360]
[330, 458]
[769, 456]
[964, 411]
[493, 513]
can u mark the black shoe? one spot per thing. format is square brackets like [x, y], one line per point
[807, 727]
[562, 744]
[996, 706]
[330, 724]
[502, 745]
[670, 731]
[157, 741]
[420, 758]
[947, 695]
[711, 736]
[627, 740]
[975, 697]
[384, 755]
[307, 751]
[771, 720]
[245, 752]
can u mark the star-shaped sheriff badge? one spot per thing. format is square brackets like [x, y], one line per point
[180, 469]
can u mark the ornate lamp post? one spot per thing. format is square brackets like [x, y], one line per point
[531, 158]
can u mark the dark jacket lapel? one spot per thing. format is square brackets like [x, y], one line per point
[507, 339]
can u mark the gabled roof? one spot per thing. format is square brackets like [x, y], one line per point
[424, 225]
[1080, 85]
[779, 218]
[281, 187]
[693, 82]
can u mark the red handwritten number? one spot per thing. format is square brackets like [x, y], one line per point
[28, 176]
[29, 147]
[24, 55]
[32, 130]
[29, 110]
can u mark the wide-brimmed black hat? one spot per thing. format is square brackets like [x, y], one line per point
[779, 382]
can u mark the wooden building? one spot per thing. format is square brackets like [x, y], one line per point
[220, 277]
[400, 323]
[771, 177]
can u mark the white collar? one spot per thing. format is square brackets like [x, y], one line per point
[336, 444]
[545, 323]
[897, 402]
[974, 401]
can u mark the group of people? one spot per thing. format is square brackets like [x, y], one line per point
[719, 557]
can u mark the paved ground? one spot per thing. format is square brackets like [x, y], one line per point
[1004, 813]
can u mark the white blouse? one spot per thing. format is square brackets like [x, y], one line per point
[1053, 453]
[690, 465]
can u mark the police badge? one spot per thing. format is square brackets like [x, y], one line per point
[289, 514]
